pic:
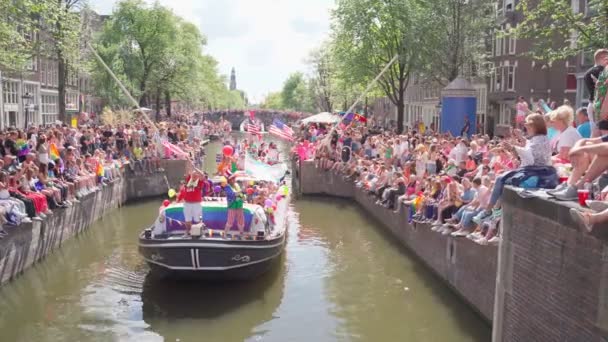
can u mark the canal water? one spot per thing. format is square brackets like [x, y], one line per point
[340, 279]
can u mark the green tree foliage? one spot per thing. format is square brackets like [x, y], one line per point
[323, 79]
[159, 57]
[296, 93]
[368, 33]
[18, 24]
[456, 42]
[135, 42]
[273, 101]
[559, 32]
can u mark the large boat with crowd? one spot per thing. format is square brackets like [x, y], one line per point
[209, 252]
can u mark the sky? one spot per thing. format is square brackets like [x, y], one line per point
[264, 40]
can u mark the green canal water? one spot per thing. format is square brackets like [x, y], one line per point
[341, 278]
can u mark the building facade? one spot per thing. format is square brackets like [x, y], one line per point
[31, 97]
[514, 74]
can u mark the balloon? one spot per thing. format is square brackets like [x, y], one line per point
[278, 198]
[249, 191]
[269, 210]
[268, 203]
[172, 193]
[285, 191]
[223, 180]
[166, 203]
[274, 207]
[228, 150]
[217, 189]
[251, 183]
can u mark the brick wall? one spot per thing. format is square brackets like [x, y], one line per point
[552, 278]
[468, 268]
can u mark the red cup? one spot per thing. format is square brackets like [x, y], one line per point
[563, 179]
[583, 196]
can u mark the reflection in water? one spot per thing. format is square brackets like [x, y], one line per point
[340, 279]
[241, 306]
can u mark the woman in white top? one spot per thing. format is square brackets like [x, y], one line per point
[561, 120]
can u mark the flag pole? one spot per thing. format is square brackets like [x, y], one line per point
[126, 92]
[120, 85]
[367, 89]
[372, 83]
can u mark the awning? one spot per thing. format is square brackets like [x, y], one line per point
[324, 118]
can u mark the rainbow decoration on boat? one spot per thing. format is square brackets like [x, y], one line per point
[214, 216]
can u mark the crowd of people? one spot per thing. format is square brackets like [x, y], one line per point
[454, 183]
[43, 169]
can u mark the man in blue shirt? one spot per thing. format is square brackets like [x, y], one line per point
[584, 126]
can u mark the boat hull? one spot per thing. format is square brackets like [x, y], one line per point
[211, 259]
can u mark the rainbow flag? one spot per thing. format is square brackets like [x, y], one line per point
[53, 151]
[99, 170]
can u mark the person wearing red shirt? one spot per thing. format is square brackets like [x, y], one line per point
[193, 196]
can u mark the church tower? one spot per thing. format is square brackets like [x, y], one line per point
[233, 80]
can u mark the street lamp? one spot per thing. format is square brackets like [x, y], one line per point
[26, 103]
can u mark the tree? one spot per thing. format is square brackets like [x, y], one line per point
[457, 38]
[61, 24]
[558, 31]
[273, 101]
[135, 42]
[295, 94]
[322, 81]
[18, 17]
[368, 33]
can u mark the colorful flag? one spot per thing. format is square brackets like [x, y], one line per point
[360, 118]
[253, 128]
[281, 130]
[53, 151]
[99, 170]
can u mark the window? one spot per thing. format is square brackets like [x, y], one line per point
[43, 71]
[49, 109]
[499, 8]
[32, 63]
[499, 79]
[510, 70]
[512, 40]
[587, 58]
[571, 82]
[498, 49]
[10, 92]
[575, 6]
[509, 5]
[505, 114]
[71, 101]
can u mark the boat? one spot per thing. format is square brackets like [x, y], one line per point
[243, 126]
[214, 255]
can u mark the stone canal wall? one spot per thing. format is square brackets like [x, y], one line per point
[548, 281]
[468, 268]
[29, 243]
[552, 280]
[157, 183]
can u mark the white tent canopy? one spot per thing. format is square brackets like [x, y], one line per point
[324, 118]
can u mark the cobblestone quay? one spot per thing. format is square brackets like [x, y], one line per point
[27, 244]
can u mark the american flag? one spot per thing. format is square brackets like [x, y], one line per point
[253, 128]
[281, 130]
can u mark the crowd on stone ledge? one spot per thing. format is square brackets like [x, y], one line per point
[43, 169]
